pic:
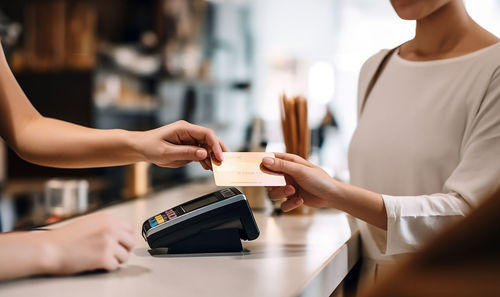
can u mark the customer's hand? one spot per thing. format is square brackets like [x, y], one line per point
[306, 183]
[92, 242]
[180, 143]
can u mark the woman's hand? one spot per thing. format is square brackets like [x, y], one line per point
[311, 185]
[95, 241]
[180, 143]
[306, 182]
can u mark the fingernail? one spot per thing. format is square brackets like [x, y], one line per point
[288, 191]
[200, 153]
[268, 161]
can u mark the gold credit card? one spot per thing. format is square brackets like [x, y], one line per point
[245, 170]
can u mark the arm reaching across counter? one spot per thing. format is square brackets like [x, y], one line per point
[51, 142]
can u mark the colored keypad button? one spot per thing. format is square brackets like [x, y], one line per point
[159, 219]
[171, 214]
[153, 223]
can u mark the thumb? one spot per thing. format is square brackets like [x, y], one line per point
[278, 165]
[187, 152]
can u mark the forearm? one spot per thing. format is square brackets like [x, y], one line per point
[23, 254]
[360, 203]
[55, 143]
[15, 108]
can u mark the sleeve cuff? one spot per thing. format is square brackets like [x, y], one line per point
[411, 220]
[400, 233]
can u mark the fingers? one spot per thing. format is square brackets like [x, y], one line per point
[175, 164]
[122, 237]
[291, 203]
[204, 165]
[187, 153]
[293, 158]
[203, 136]
[126, 240]
[278, 165]
[121, 253]
[208, 164]
[277, 193]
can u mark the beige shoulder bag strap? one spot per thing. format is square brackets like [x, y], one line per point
[375, 77]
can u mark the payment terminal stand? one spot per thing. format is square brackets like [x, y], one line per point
[210, 241]
[213, 223]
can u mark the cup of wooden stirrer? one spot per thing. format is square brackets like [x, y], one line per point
[296, 134]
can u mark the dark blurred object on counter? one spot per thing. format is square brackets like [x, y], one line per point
[138, 180]
[28, 203]
[296, 134]
[463, 261]
[65, 198]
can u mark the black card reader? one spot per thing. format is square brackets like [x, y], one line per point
[213, 223]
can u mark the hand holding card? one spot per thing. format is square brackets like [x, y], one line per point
[245, 170]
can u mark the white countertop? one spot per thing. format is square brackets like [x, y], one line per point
[294, 255]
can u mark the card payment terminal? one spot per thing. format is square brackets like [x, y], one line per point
[212, 223]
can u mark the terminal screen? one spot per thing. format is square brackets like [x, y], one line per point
[199, 203]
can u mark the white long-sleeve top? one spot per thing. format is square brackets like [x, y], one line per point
[428, 140]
